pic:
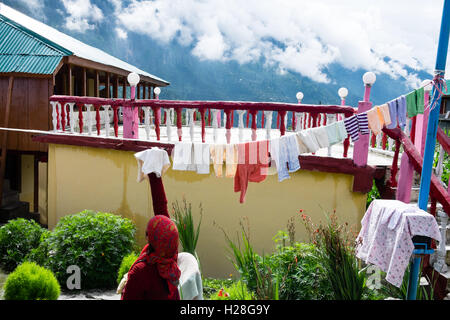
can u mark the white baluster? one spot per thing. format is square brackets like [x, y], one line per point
[330, 119]
[106, 116]
[215, 122]
[54, 114]
[187, 117]
[169, 121]
[439, 166]
[147, 121]
[440, 265]
[298, 120]
[191, 122]
[89, 118]
[241, 124]
[378, 141]
[268, 123]
[71, 117]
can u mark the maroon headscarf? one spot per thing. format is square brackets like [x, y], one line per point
[162, 234]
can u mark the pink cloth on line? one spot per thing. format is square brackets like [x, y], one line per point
[386, 235]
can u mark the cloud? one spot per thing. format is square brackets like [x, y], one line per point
[82, 15]
[34, 6]
[391, 37]
[121, 34]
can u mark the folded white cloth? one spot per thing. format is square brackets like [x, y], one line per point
[154, 160]
[190, 283]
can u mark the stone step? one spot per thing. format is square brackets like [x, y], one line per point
[9, 197]
[15, 210]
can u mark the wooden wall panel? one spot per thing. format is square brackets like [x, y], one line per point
[29, 110]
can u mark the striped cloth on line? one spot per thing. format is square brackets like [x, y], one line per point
[356, 124]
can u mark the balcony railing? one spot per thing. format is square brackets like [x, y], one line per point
[97, 116]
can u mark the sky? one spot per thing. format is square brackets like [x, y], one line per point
[397, 38]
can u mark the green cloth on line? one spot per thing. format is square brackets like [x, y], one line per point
[415, 102]
[420, 100]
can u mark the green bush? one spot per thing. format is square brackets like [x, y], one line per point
[31, 282]
[337, 255]
[236, 291]
[39, 255]
[185, 224]
[126, 264]
[96, 242]
[17, 238]
[302, 274]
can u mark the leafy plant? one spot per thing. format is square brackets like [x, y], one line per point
[212, 286]
[372, 195]
[336, 250]
[254, 270]
[237, 291]
[302, 275]
[30, 281]
[94, 241]
[186, 228]
[390, 290]
[125, 265]
[17, 238]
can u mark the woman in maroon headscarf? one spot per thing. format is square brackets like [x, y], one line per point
[155, 274]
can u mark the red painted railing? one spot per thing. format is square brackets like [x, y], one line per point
[309, 115]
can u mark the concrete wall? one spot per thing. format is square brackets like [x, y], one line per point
[104, 179]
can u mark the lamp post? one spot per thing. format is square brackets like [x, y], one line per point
[130, 113]
[361, 147]
[369, 79]
[343, 93]
[157, 91]
[297, 123]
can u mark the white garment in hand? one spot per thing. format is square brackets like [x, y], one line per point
[190, 283]
[154, 160]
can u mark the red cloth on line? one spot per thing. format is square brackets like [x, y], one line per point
[158, 195]
[155, 274]
[252, 165]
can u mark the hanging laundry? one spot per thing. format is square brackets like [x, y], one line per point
[305, 137]
[231, 160]
[386, 235]
[217, 156]
[183, 156]
[397, 112]
[285, 153]
[154, 163]
[357, 124]
[246, 171]
[415, 102]
[154, 160]
[336, 132]
[321, 136]
[202, 157]
[378, 117]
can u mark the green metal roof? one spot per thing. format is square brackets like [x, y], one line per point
[22, 50]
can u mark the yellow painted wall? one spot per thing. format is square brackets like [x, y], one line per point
[27, 180]
[43, 176]
[103, 179]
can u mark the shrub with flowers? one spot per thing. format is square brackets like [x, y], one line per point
[336, 244]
